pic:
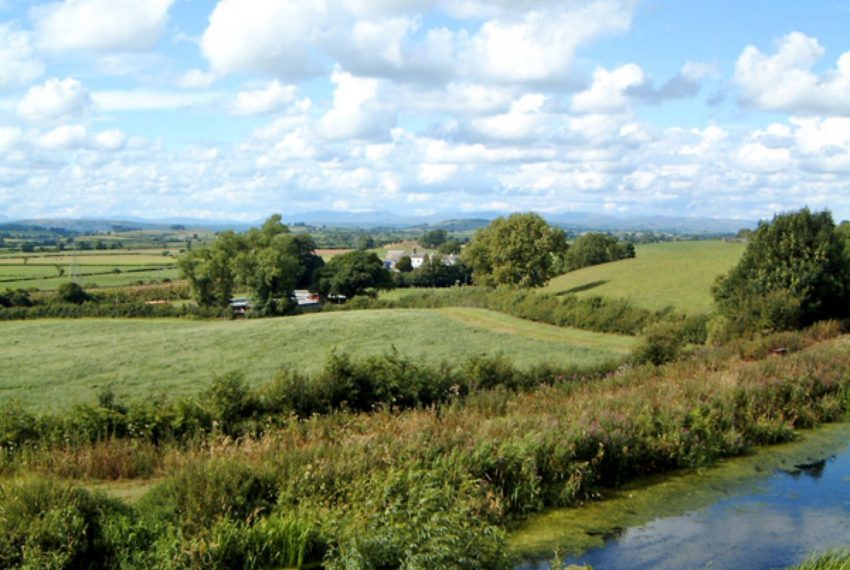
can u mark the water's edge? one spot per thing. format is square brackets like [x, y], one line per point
[575, 531]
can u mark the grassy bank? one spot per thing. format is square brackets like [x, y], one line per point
[54, 363]
[434, 487]
[839, 560]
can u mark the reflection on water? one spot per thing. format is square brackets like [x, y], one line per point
[742, 515]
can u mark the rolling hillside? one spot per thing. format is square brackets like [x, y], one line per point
[678, 274]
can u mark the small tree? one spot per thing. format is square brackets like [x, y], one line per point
[794, 271]
[405, 264]
[72, 293]
[364, 242]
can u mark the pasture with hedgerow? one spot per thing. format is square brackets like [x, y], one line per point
[424, 285]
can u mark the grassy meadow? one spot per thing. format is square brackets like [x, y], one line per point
[678, 274]
[52, 363]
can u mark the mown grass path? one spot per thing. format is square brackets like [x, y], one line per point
[54, 363]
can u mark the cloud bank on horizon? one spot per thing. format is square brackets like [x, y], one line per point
[238, 108]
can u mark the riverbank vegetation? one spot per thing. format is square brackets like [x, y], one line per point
[430, 487]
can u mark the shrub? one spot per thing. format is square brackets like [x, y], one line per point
[201, 493]
[72, 293]
[50, 525]
[660, 344]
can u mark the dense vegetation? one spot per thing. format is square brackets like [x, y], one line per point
[270, 262]
[425, 488]
[353, 273]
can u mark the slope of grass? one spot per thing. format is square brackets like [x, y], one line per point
[678, 274]
[49, 363]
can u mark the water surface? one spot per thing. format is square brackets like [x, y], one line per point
[772, 509]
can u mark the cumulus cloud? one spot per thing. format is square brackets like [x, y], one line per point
[19, 64]
[540, 45]
[607, 93]
[271, 98]
[55, 99]
[527, 42]
[785, 81]
[100, 25]
[196, 79]
[112, 140]
[356, 111]
[64, 138]
[152, 100]
[263, 36]
[526, 118]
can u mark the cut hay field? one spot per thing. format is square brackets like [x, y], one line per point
[54, 363]
[678, 274]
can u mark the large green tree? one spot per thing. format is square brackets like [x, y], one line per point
[269, 261]
[353, 273]
[794, 271]
[521, 250]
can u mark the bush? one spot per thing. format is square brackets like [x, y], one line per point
[72, 293]
[201, 493]
[415, 519]
[661, 343]
[50, 525]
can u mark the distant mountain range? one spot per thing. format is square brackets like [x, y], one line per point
[577, 221]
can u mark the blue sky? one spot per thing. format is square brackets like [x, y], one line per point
[238, 108]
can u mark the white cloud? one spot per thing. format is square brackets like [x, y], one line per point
[525, 118]
[19, 64]
[531, 41]
[608, 92]
[785, 81]
[112, 140]
[65, 137]
[151, 100]
[263, 36]
[54, 99]
[540, 45]
[430, 173]
[9, 137]
[196, 79]
[271, 98]
[356, 112]
[100, 25]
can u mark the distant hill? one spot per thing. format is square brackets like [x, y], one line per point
[450, 221]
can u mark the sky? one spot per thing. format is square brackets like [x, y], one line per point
[234, 109]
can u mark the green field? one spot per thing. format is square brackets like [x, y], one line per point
[53, 363]
[93, 269]
[678, 274]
